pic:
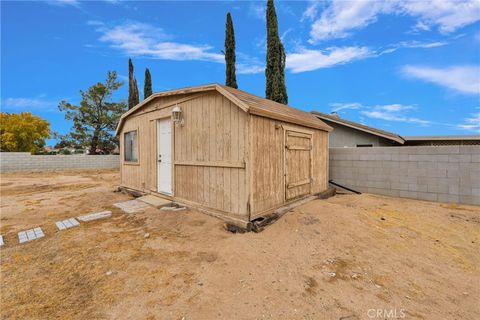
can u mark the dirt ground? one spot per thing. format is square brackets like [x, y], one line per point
[348, 257]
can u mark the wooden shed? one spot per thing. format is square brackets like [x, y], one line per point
[225, 152]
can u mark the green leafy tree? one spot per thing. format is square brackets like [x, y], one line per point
[95, 119]
[231, 78]
[275, 88]
[147, 87]
[23, 132]
[65, 142]
[65, 151]
[133, 96]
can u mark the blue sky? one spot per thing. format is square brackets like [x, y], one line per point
[411, 67]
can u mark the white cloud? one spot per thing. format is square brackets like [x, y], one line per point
[464, 79]
[472, 123]
[424, 45]
[421, 26]
[123, 77]
[247, 64]
[304, 59]
[338, 106]
[249, 69]
[402, 113]
[64, 3]
[95, 23]
[29, 104]
[448, 15]
[395, 107]
[284, 35]
[176, 51]
[257, 10]
[311, 11]
[144, 40]
[393, 112]
[389, 116]
[389, 50]
[308, 60]
[412, 44]
[140, 39]
[389, 112]
[74, 3]
[340, 18]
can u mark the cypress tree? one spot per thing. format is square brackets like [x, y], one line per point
[147, 88]
[133, 98]
[275, 88]
[231, 79]
[137, 94]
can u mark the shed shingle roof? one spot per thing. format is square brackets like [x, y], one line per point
[271, 109]
[247, 102]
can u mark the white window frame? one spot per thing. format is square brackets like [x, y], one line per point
[135, 139]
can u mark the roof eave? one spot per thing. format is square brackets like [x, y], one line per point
[398, 139]
[265, 113]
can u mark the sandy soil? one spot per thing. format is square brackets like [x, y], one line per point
[341, 258]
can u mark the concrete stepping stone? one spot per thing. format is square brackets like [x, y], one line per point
[67, 224]
[155, 201]
[95, 216]
[1, 241]
[30, 234]
[131, 206]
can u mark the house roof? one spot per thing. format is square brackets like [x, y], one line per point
[442, 138]
[271, 109]
[381, 133]
[246, 101]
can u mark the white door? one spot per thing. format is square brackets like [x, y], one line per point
[164, 156]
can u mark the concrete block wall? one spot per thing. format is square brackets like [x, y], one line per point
[433, 173]
[24, 161]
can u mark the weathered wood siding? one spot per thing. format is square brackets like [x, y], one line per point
[225, 160]
[320, 161]
[209, 152]
[268, 163]
[142, 175]
[298, 164]
[210, 155]
[268, 183]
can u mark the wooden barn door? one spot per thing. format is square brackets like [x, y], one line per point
[298, 164]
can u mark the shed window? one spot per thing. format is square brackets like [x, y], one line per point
[131, 150]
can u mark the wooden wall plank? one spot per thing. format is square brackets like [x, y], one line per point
[298, 166]
[268, 162]
[215, 159]
[217, 130]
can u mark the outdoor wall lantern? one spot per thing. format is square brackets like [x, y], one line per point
[177, 116]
